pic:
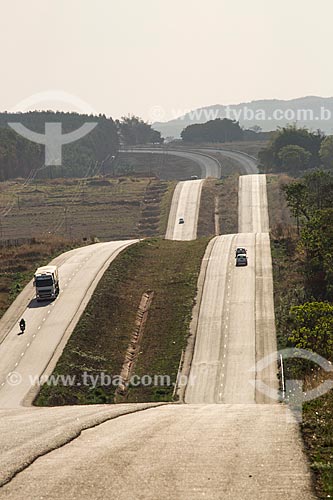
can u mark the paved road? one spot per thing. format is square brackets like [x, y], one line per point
[248, 163]
[28, 433]
[210, 166]
[236, 450]
[235, 324]
[253, 207]
[49, 325]
[187, 452]
[185, 204]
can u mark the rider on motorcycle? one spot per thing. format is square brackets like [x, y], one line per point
[22, 325]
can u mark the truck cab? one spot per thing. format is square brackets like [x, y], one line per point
[46, 282]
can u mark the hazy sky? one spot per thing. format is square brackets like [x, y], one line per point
[136, 56]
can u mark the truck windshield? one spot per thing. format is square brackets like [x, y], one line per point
[47, 281]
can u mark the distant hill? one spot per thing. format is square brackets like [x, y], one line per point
[311, 112]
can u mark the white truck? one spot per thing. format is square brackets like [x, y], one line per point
[46, 281]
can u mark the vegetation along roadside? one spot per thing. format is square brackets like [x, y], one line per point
[302, 243]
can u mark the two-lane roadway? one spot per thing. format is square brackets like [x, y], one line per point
[24, 358]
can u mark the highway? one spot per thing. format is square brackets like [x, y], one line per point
[181, 452]
[229, 441]
[185, 204]
[235, 323]
[209, 166]
[49, 324]
[248, 163]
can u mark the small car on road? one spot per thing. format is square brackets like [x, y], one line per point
[241, 260]
[181, 220]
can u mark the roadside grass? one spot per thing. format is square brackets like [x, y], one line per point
[228, 204]
[100, 339]
[18, 264]
[279, 213]
[165, 208]
[289, 290]
[106, 208]
[224, 193]
[164, 166]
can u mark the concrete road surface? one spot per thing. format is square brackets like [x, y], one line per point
[181, 452]
[235, 325]
[28, 433]
[185, 204]
[225, 337]
[25, 357]
[253, 206]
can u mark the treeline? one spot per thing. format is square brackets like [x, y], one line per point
[19, 156]
[133, 131]
[310, 323]
[90, 155]
[294, 150]
[220, 131]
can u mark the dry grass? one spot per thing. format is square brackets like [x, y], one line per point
[225, 192]
[106, 208]
[164, 166]
[280, 219]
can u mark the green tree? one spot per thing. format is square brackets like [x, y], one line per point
[317, 242]
[270, 158]
[133, 131]
[312, 328]
[297, 200]
[326, 152]
[213, 131]
[294, 158]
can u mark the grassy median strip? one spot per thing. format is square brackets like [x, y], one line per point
[100, 339]
[219, 196]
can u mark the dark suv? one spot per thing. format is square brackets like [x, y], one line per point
[241, 260]
[241, 250]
